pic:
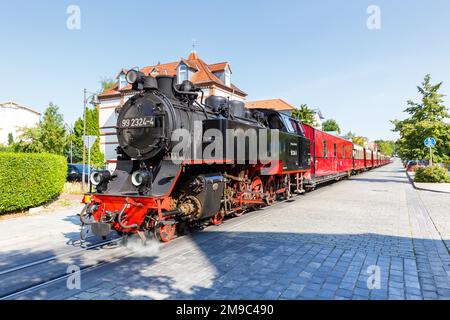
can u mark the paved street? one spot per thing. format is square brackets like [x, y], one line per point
[374, 228]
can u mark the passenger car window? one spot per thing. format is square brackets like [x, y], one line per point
[324, 145]
[343, 151]
[335, 150]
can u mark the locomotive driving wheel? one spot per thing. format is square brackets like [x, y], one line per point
[257, 189]
[270, 189]
[165, 232]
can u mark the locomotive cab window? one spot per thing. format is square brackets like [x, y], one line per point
[276, 123]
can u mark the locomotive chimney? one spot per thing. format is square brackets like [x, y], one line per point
[165, 85]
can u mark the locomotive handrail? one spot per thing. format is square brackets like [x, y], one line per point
[82, 216]
[122, 212]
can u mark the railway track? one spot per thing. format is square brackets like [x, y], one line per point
[44, 271]
[104, 258]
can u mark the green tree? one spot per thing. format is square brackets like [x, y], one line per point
[48, 136]
[305, 115]
[426, 119]
[331, 126]
[92, 128]
[386, 147]
[53, 133]
[10, 139]
[361, 141]
[107, 83]
[28, 140]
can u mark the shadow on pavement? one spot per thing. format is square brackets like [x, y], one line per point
[253, 265]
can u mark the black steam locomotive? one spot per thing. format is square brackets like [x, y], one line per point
[184, 161]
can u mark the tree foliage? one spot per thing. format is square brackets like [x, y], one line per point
[386, 147]
[426, 119]
[359, 140]
[28, 180]
[92, 128]
[331, 125]
[107, 83]
[305, 115]
[48, 136]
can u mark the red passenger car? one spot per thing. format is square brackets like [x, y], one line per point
[359, 163]
[331, 156]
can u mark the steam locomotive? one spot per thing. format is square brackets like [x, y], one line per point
[184, 162]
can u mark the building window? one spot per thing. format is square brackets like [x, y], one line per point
[122, 81]
[182, 73]
[324, 145]
[227, 77]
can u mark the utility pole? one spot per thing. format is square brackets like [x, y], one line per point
[84, 134]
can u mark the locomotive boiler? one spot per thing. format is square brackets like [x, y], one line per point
[185, 161]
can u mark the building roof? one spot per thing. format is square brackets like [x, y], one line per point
[203, 74]
[12, 104]
[275, 104]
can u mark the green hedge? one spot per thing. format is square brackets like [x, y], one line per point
[30, 179]
[434, 174]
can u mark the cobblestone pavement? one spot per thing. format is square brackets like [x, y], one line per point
[369, 237]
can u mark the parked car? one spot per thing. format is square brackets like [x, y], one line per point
[413, 165]
[75, 172]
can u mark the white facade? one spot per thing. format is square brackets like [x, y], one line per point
[14, 116]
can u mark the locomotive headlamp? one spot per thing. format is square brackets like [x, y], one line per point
[134, 76]
[99, 177]
[141, 178]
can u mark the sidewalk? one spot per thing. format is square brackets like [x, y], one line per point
[433, 187]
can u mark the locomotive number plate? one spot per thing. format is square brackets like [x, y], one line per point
[138, 122]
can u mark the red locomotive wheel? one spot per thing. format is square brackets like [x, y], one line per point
[218, 218]
[270, 188]
[165, 233]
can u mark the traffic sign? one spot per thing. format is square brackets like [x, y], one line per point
[89, 141]
[430, 142]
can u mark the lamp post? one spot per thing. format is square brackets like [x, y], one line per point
[92, 98]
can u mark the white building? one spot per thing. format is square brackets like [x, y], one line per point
[14, 116]
[214, 79]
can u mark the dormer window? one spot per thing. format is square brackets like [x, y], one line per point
[182, 73]
[227, 77]
[122, 81]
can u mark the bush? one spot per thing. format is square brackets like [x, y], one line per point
[434, 174]
[30, 179]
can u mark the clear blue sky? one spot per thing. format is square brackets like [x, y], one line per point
[315, 52]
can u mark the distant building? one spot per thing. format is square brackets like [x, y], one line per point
[214, 79]
[276, 104]
[14, 116]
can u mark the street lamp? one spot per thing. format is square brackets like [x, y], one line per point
[93, 99]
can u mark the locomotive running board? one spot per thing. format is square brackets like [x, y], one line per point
[165, 179]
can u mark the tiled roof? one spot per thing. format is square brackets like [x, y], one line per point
[275, 104]
[12, 104]
[203, 74]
